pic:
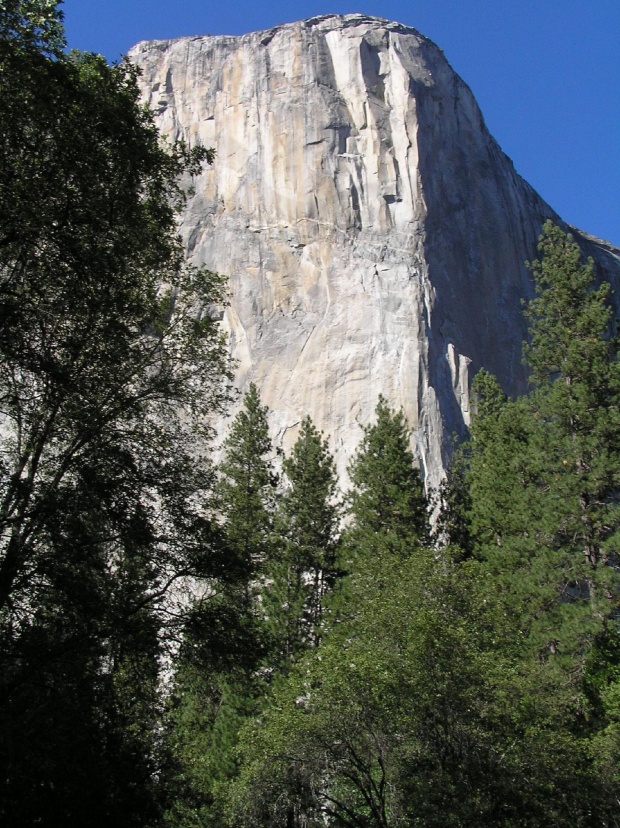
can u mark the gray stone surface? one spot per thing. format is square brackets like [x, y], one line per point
[372, 229]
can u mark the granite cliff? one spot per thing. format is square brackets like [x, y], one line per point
[373, 231]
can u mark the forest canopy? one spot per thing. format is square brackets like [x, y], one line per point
[192, 645]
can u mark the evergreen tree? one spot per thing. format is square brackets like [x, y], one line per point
[210, 702]
[301, 568]
[544, 482]
[387, 504]
[575, 370]
[546, 469]
[221, 677]
[336, 706]
[503, 474]
[246, 489]
[452, 527]
[477, 689]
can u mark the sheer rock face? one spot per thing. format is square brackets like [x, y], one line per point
[373, 232]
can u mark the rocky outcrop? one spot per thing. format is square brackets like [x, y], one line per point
[373, 231]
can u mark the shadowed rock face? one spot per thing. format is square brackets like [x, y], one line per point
[374, 233]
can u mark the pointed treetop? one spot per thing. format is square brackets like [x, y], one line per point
[388, 494]
[570, 321]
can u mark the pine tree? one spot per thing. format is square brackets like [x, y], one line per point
[220, 681]
[452, 528]
[503, 475]
[573, 356]
[544, 478]
[302, 563]
[247, 484]
[387, 504]
[545, 469]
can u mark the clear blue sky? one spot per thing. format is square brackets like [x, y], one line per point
[546, 74]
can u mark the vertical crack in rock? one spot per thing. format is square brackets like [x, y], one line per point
[373, 232]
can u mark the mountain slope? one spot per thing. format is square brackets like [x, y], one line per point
[373, 231]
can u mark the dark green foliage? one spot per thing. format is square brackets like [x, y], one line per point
[468, 680]
[32, 25]
[321, 749]
[219, 683]
[407, 717]
[477, 683]
[501, 472]
[247, 485]
[602, 689]
[570, 321]
[387, 502]
[544, 482]
[301, 568]
[73, 736]
[205, 712]
[96, 359]
[108, 375]
[226, 676]
[574, 360]
[452, 527]
[544, 469]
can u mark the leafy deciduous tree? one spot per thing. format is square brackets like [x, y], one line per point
[109, 370]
